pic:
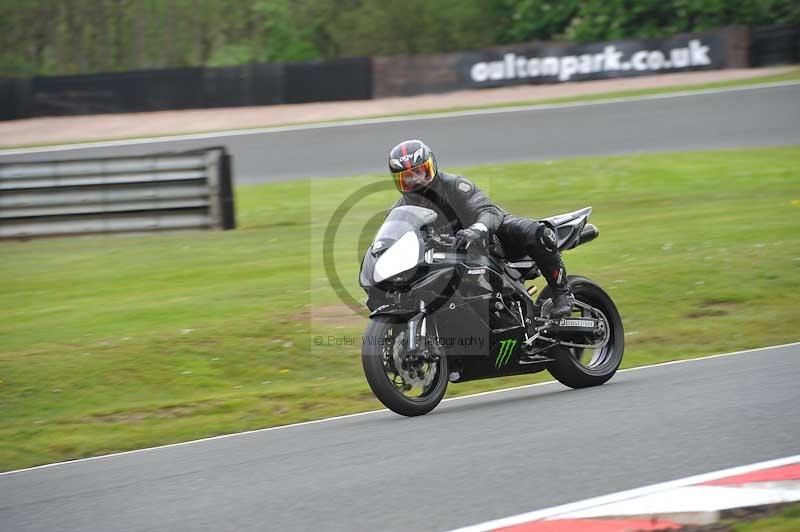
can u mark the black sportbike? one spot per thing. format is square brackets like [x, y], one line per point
[439, 315]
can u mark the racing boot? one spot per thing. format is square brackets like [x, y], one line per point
[562, 301]
[545, 253]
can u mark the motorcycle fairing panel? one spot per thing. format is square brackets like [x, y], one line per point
[471, 298]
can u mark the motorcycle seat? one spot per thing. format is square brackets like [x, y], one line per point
[561, 219]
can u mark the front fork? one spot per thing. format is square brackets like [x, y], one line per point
[417, 325]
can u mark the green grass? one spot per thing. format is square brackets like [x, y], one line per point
[785, 520]
[793, 75]
[120, 342]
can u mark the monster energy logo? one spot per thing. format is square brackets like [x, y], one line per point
[504, 355]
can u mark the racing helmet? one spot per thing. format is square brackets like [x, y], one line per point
[413, 165]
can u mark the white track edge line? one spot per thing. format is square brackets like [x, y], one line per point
[368, 412]
[602, 500]
[387, 120]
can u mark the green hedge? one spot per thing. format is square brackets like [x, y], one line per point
[41, 37]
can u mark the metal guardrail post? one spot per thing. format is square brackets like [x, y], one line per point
[226, 192]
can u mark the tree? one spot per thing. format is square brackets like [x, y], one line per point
[82, 36]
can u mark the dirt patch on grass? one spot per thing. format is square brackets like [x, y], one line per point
[707, 313]
[164, 412]
[713, 307]
[338, 315]
[718, 303]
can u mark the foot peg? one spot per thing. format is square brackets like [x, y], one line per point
[559, 306]
[535, 359]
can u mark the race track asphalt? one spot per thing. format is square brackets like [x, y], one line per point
[729, 119]
[468, 461]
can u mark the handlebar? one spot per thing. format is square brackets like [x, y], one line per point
[443, 241]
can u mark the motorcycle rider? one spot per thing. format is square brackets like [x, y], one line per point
[464, 209]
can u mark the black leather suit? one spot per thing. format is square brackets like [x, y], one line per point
[460, 204]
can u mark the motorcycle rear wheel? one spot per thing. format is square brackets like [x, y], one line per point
[582, 368]
[382, 337]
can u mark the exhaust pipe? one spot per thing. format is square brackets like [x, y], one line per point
[589, 233]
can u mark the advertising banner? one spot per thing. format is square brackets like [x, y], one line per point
[554, 63]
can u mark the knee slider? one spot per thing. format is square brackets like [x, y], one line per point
[547, 238]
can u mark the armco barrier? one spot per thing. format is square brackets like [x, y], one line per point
[171, 191]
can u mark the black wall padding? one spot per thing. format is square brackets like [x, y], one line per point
[119, 92]
[255, 84]
[8, 99]
[15, 98]
[324, 81]
[775, 46]
[186, 88]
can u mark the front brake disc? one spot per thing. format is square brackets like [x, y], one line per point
[409, 370]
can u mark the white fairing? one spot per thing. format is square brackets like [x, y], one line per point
[401, 256]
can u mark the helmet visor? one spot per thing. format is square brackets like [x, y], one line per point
[415, 178]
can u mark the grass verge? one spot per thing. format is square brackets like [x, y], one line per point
[789, 76]
[770, 518]
[787, 519]
[114, 343]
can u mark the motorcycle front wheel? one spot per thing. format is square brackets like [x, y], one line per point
[407, 384]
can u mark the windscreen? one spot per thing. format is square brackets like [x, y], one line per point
[403, 219]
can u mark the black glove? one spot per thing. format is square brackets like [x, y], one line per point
[470, 237]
